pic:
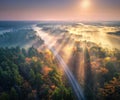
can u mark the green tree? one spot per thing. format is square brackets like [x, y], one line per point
[38, 80]
[13, 94]
[4, 96]
[31, 76]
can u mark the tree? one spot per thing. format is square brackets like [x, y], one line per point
[31, 76]
[111, 90]
[13, 94]
[38, 80]
[4, 96]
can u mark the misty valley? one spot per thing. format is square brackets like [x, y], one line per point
[59, 60]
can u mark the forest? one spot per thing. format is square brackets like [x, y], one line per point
[102, 73]
[31, 75]
[60, 62]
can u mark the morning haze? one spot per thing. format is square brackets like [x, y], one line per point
[60, 10]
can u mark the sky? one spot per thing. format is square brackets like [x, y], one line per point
[60, 10]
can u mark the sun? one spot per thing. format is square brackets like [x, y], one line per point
[85, 4]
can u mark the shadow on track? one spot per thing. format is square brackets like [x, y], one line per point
[88, 77]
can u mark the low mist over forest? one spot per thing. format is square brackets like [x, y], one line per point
[59, 60]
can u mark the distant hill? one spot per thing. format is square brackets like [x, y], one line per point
[15, 24]
[20, 38]
[115, 33]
